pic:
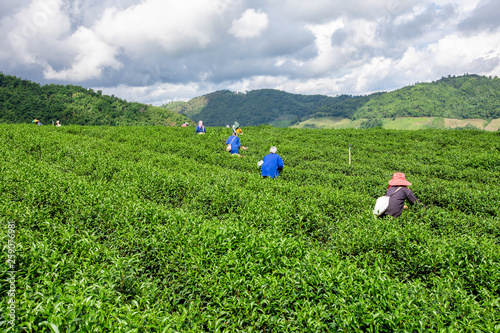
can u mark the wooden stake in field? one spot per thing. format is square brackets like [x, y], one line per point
[350, 154]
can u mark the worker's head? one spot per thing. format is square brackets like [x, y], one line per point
[273, 150]
[399, 179]
[200, 123]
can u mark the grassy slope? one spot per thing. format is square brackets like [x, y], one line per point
[494, 125]
[403, 123]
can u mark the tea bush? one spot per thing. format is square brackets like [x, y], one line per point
[152, 229]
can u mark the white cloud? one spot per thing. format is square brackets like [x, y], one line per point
[321, 11]
[156, 94]
[92, 56]
[327, 55]
[452, 54]
[251, 24]
[32, 32]
[365, 76]
[410, 16]
[156, 26]
[159, 50]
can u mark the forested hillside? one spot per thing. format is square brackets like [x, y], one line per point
[266, 106]
[463, 97]
[21, 101]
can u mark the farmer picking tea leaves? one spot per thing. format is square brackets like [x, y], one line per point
[272, 164]
[399, 192]
[200, 129]
[237, 128]
[233, 144]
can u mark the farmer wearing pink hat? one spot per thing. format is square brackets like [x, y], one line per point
[399, 192]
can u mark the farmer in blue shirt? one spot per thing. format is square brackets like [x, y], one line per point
[272, 164]
[200, 129]
[235, 143]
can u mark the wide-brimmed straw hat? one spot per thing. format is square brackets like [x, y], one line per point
[399, 179]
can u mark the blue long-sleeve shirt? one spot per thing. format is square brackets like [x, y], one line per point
[272, 165]
[235, 144]
[201, 129]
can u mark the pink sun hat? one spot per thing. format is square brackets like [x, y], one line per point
[399, 179]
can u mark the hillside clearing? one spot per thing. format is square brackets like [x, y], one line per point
[402, 123]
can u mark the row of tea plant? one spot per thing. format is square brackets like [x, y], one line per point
[155, 229]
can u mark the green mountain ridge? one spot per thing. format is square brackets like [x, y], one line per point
[445, 102]
[21, 101]
[266, 106]
[464, 97]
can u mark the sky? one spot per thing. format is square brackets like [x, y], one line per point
[159, 51]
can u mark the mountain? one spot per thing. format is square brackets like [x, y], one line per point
[21, 101]
[466, 97]
[463, 97]
[266, 106]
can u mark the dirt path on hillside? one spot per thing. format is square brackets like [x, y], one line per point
[493, 126]
[454, 123]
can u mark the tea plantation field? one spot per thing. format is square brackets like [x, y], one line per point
[155, 229]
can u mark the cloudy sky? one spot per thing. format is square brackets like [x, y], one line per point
[156, 51]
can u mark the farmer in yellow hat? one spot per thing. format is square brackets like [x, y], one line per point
[237, 128]
[233, 144]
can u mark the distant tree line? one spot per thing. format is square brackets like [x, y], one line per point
[461, 97]
[21, 101]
